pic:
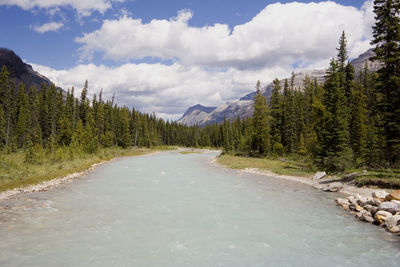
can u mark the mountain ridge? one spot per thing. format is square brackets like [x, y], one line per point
[21, 72]
[243, 107]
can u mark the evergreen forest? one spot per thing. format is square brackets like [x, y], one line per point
[351, 120]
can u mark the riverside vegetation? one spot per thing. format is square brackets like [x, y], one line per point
[350, 122]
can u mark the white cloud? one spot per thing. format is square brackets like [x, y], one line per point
[212, 64]
[48, 27]
[280, 34]
[83, 7]
[160, 88]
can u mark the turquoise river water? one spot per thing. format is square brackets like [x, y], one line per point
[171, 209]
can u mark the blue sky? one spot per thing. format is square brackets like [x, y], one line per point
[185, 52]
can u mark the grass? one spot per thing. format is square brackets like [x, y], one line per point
[14, 172]
[386, 178]
[278, 166]
[381, 178]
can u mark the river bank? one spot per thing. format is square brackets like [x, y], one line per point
[22, 177]
[375, 205]
[292, 171]
[174, 209]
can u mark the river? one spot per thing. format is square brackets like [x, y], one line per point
[171, 209]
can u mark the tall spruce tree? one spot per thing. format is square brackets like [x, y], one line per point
[260, 138]
[276, 105]
[386, 33]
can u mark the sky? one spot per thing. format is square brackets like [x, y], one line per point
[163, 56]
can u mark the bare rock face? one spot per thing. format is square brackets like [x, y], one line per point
[21, 72]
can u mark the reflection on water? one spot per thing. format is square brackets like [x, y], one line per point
[178, 210]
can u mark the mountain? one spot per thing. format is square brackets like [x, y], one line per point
[20, 71]
[244, 106]
[195, 114]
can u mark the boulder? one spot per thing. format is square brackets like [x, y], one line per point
[381, 194]
[394, 195]
[395, 201]
[364, 201]
[392, 221]
[371, 209]
[342, 202]
[374, 202]
[389, 207]
[333, 187]
[319, 175]
[381, 216]
[366, 216]
[395, 229]
[358, 208]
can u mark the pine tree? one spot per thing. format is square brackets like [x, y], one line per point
[288, 125]
[34, 124]
[276, 105]
[22, 126]
[386, 33]
[84, 104]
[260, 125]
[2, 128]
[358, 132]
[336, 133]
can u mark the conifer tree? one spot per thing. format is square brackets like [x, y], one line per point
[22, 126]
[336, 133]
[84, 104]
[2, 128]
[260, 125]
[358, 133]
[276, 105]
[386, 33]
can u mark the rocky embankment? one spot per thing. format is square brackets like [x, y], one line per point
[382, 209]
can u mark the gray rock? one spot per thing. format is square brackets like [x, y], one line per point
[319, 175]
[389, 207]
[374, 202]
[381, 194]
[395, 229]
[333, 187]
[364, 201]
[342, 202]
[366, 216]
[392, 221]
[371, 209]
[381, 216]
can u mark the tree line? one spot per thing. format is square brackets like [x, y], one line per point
[352, 119]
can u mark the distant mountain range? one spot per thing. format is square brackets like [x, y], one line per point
[20, 71]
[201, 115]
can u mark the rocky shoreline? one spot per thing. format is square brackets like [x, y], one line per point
[375, 206]
[382, 209]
